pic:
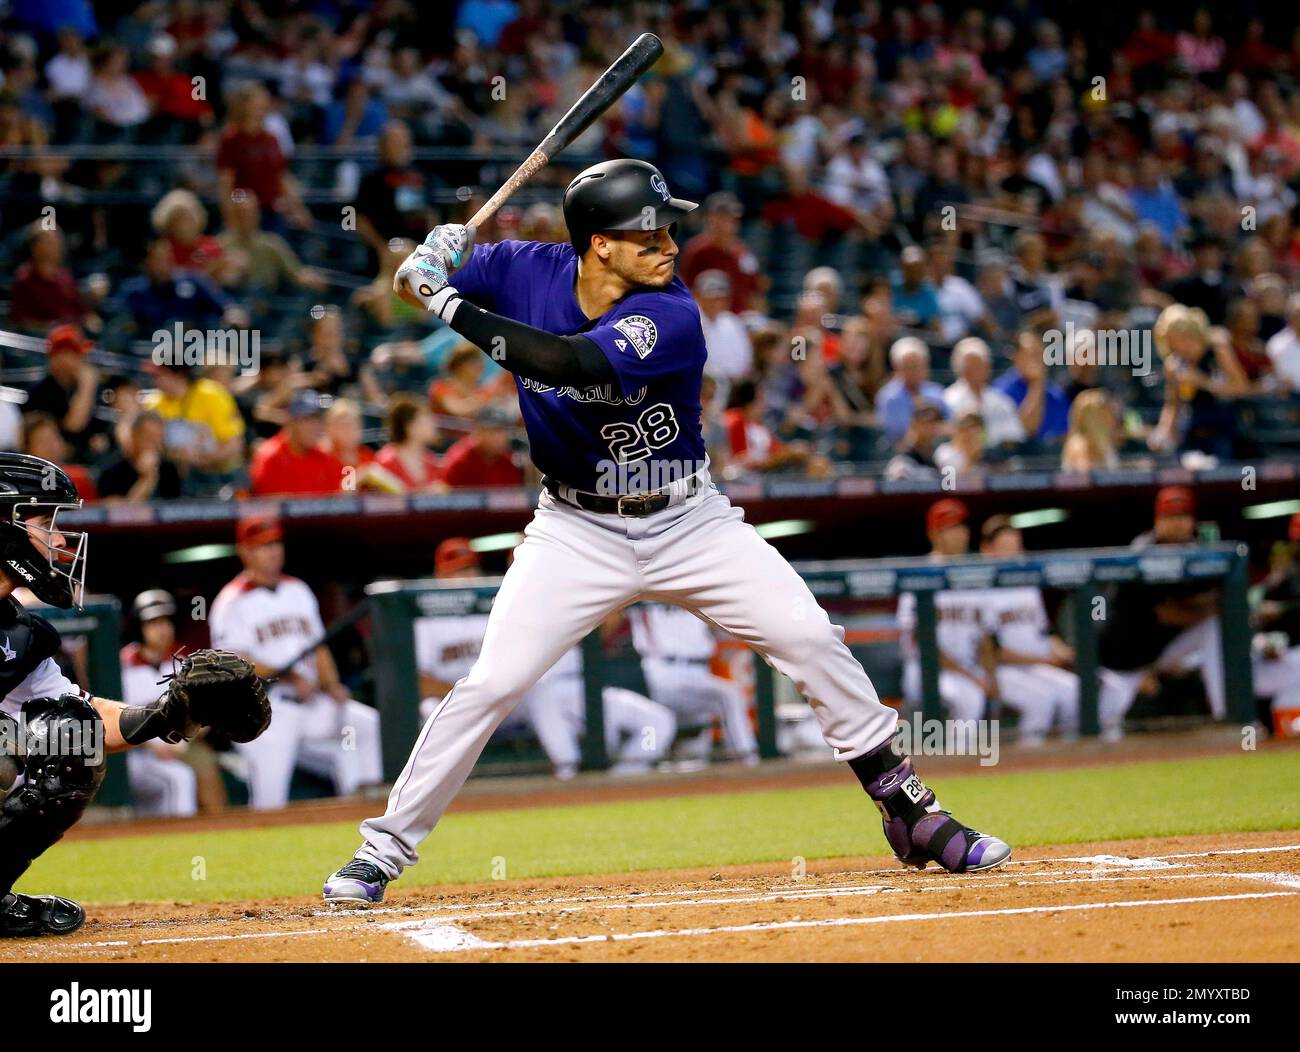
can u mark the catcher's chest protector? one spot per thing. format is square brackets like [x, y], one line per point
[25, 641]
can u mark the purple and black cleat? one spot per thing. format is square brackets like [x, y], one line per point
[917, 828]
[358, 882]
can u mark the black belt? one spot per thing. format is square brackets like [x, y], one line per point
[635, 504]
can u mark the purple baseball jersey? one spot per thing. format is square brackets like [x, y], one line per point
[641, 432]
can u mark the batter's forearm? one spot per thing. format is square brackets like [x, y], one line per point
[569, 361]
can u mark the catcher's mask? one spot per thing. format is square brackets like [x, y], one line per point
[35, 551]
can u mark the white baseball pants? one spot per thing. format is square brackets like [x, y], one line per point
[336, 740]
[161, 784]
[1200, 646]
[572, 570]
[696, 695]
[638, 732]
[1041, 694]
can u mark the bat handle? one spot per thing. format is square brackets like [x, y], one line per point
[535, 162]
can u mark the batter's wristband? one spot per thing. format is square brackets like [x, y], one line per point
[444, 302]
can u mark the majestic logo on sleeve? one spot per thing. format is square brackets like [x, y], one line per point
[640, 332]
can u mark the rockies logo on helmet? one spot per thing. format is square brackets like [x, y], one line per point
[618, 195]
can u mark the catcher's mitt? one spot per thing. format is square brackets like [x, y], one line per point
[218, 689]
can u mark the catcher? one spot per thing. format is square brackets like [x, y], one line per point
[54, 736]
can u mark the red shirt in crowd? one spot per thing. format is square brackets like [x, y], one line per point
[466, 465]
[388, 459]
[38, 300]
[750, 440]
[257, 162]
[737, 262]
[278, 468]
[172, 94]
[198, 254]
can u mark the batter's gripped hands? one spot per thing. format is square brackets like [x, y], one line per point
[426, 272]
[454, 242]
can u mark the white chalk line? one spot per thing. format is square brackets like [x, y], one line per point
[1115, 861]
[1102, 865]
[842, 922]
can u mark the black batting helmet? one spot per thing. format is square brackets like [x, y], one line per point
[34, 489]
[619, 195]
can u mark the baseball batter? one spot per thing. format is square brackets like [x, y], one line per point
[273, 619]
[675, 648]
[605, 345]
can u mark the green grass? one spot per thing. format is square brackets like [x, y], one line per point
[1215, 795]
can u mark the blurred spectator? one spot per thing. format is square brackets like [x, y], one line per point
[995, 288]
[1091, 442]
[259, 259]
[251, 159]
[407, 456]
[1284, 348]
[483, 457]
[972, 365]
[915, 301]
[915, 458]
[295, 460]
[343, 440]
[960, 307]
[44, 289]
[1042, 406]
[179, 114]
[730, 354]
[139, 471]
[392, 199]
[41, 438]
[909, 386]
[965, 450]
[68, 391]
[719, 247]
[1155, 201]
[1242, 323]
[753, 446]
[1206, 286]
[460, 391]
[203, 429]
[180, 220]
[163, 295]
[332, 371]
[114, 97]
[1036, 290]
[1203, 378]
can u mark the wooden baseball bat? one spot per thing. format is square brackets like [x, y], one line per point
[640, 56]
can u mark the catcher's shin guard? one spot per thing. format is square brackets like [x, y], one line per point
[60, 756]
[917, 828]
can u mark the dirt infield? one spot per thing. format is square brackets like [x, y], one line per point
[1204, 898]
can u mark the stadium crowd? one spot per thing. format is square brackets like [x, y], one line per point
[923, 229]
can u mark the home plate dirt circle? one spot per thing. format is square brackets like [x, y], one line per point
[1207, 898]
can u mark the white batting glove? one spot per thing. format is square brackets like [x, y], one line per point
[421, 281]
[453, 242]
